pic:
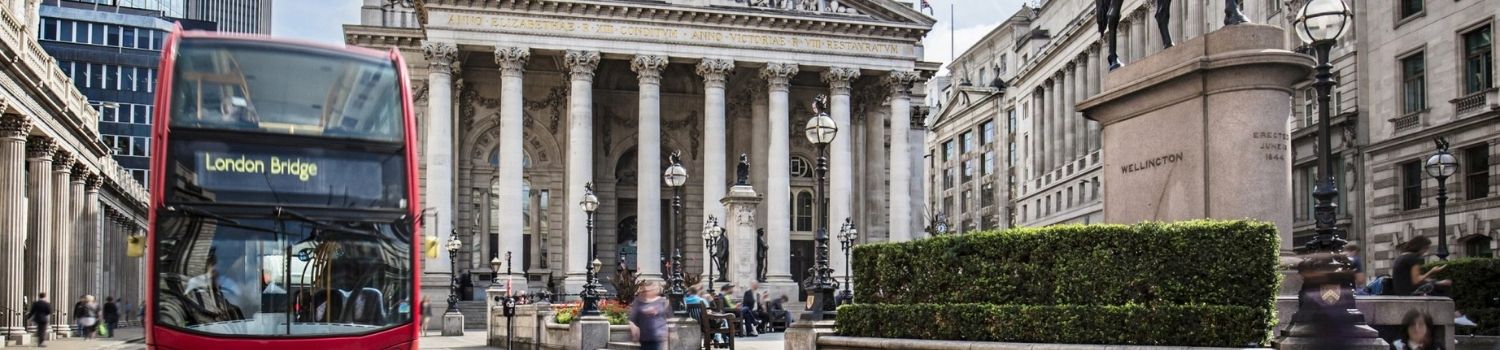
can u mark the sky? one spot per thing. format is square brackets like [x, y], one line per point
[955, 31]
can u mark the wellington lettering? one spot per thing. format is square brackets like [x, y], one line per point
[1151, 163]
[302, 170]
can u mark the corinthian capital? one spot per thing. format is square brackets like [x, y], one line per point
[778, 74]
[512, 60]
[648, 67]
[715, 70]
[62, 161]
[93, 182]
[38, 146]
[581, 63]
[80, 171]
[839, 78]
[439, 54]
[900, 81]
[14, 125]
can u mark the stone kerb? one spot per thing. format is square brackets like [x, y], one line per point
[1199, 130]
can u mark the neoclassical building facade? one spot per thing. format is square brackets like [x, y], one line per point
[522, 103]
[66, 207]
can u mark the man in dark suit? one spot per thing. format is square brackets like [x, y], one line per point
[39, 314]
[749, 308]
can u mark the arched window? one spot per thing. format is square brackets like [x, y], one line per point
[625, 168]
[800, 167]
[804, 212]
[525, 159]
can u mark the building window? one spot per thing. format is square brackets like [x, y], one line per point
[968, 139]
[948, 205]
[1477, 172]
[1413, 83]
[1411, 185]
[1479, 63]
[988, 166]
[948, 150]
[1309, 107]
[987, 195]
[968, 170]
[948, 176]
[800, 167]
[963, 203]
[140, 175]
[987, 135]
[1478, 247]
[1000, 68]
[804, 213]
[1411, 8]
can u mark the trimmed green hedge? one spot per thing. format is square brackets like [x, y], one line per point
[1179, 325]
[1476, 291]
[1193, 262]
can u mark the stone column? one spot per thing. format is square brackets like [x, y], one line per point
[76, 232]
[915, 139]
[1138, 36]
[512, 61]
[714, 73]
[1193, 27]
[760, 146]
[1122, 42]
[1081, 92]
[778, 156]
[1044, 140]
[874, 185]
[900, 190]
[438, 151]
[1070, 120]
[648, 162]
[841, 164]
[92, 266]
[39, 153]
[739, 229]
[1175, 23]
[13, 131]
[1055, 111]
[61, 216]
[580, 164]
[1096, 81]
[1034, 153]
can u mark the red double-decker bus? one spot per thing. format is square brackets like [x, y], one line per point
[284, 203]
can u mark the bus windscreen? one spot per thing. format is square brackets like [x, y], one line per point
[247, 86]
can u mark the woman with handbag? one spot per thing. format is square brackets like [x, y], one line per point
[86, 313]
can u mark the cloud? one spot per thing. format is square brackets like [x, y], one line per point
[320, 21]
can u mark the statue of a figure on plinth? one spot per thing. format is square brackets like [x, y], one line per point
[760, 254]
[1107, 16]
[742, 171]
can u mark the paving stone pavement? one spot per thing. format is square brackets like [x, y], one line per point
[125, 338]
[473, 339]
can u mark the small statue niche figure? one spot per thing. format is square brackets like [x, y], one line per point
[742, 171]
[1107, 16]
[820, 104]
[760, 254]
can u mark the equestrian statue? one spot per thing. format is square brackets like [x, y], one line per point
[1107, 15]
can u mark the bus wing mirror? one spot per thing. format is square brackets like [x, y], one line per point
[430, 246]
[135, 246]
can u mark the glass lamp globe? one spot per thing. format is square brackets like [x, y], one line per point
[1322, 21]
[675, 175]
[821, 129]
[590, 202]
[1441, 165]
[454, 244]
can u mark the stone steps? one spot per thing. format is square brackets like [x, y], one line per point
[474, 313]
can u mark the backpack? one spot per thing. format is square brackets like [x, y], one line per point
[1379, 286]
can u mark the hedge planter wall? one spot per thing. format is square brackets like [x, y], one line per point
[1194, 283]
[1476, 291]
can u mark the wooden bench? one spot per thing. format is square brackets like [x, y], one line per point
[723, 324]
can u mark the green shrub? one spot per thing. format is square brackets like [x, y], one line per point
[1193, 262]
[1476, 291]
[1134, 324]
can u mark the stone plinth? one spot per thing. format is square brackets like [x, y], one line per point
[803, 335]
[1199, 130]
[453, 324]
[684, 334]
[739, 229]
[591, 332]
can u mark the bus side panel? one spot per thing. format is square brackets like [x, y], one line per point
[158, 185]
[414, 195]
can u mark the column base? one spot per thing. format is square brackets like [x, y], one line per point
[777, 286]
[453, 324]
[17, 337]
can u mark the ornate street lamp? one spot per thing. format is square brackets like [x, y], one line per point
[1440, 166]
[712, 233]
[590, 294]
[675, 177]
[847, 235]
[453, 245]
[1328, 277]
[821, 131]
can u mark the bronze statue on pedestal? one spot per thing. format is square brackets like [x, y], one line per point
[1107, 16]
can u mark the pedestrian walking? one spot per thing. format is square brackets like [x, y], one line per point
[648, 318]
[111, 316]
[426, 314]
[86, 316]
[39, 314]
